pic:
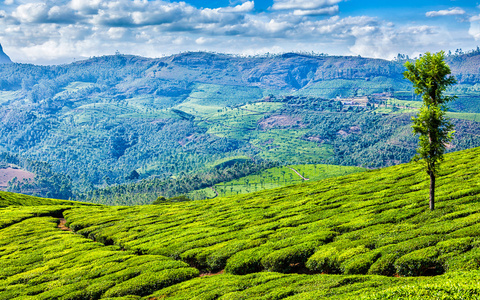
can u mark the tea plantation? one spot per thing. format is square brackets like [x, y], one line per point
[273, 178]
[368, 235]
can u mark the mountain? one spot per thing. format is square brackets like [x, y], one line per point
[368, 235]
[98, 121]
[4, 59]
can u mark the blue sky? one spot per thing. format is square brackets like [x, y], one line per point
[60, 31]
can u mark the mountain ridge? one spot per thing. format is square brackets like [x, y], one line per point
[4, 59]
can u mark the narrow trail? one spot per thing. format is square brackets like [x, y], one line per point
[216, 193]
[62, 225]
[301, 176]
[212, 274]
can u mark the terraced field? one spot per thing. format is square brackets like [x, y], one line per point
[368, 235]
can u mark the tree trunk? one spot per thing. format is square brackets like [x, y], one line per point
[432, 190]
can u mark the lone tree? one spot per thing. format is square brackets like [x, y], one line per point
[430, 78]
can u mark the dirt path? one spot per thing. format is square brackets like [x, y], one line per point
[301, 176]
[212, 274]
[62, 226]
[216, 193]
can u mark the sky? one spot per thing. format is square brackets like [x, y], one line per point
[62, 31]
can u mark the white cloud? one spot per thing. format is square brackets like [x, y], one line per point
[86, 6]
[49, 50]
[387, 42]
[203, 40]
[242, 8]
[55, 30]
[302, 4]
[42, 13]
[475, 18]
[474, 29]
[117, 33]
[447, 12]
[175, 16]
[317, 12]
[181, 40]
[62, 14]
[275, 26]
[31, 12]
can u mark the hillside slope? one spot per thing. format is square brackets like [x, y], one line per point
[360, 231]
[372, 217]
[13, 199]
[97, 121]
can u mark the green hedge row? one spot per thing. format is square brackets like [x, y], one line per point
[369, 220]
[39, 261]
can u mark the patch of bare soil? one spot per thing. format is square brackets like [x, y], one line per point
[188, 139]
[62, 226]
[301, 176]
[449, 146]
[300, 269]
[343, 133]
[355, 101]
[212, 274]
[215, 191]
[351, 130]
[314, 138]
[9, 173]
[281, 121]
[355, 129]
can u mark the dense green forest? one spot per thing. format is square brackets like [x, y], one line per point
[121, 120]
[146, 191]
[368, 235]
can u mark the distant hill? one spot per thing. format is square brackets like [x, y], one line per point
[465, 67]
[9, 173]
[4, 59]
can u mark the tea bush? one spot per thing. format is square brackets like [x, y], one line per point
[419, 262]
[39, 261]
[376, 223]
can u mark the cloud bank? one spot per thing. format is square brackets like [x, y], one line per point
[56, 31]
[447, 12]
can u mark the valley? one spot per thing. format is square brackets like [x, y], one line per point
[121, 120]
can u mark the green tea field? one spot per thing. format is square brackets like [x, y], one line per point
[274, 178]
[368, 235]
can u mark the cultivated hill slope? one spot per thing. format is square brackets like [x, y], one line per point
[94, 122]
[13, 199]
[359, 230]
[378, 216]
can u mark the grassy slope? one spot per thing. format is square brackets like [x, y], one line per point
[39, 261]
[16, 207]
[275, 144]
[274, 178]
[354, 228]
[12, 199]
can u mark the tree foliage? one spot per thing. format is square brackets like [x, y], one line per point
[430, 78]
